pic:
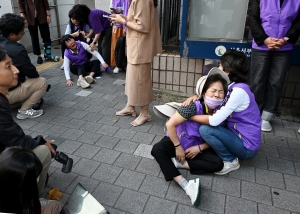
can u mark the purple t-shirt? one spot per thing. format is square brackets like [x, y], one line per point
[123, 5]
[97, 22]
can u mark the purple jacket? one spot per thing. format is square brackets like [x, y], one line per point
[79, 58]
[188, 131]
[277, 21]
[246, 124]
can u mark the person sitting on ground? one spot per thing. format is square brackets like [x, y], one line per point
[31, 87]
[11, 134]
[80, 32]
[76, 61]
[20, 170]
[242, 137]
[184, 142]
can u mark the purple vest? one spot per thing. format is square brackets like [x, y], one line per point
[124, 4]
[79, 58]
[277, 21]
[97, 22]
[188, 131]
[246, 124]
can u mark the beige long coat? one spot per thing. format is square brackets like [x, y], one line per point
[144, 42]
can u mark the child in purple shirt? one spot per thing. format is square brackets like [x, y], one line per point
[99, 24]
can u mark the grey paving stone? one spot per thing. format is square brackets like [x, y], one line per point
[148, 166]
[286, 200]
[293, 143]
[88, 137]
[72, 134]
[238, 205]
[85, 167]
[61, 180]
[95, 95]
[131, 201]
[109, 120]
[80, 106]
[258, 161]
[34, 134]
[244, 173]
[211, 201]
[92, 117]
[279, 165]
[275, 140]
[130, 179]
[107, 130]
[123, 122]
[269, 178]
[157, 129]
[60, 120]
[158, 205]
[76, 114]
[144, 150]
[268, 150]
[124, 134]
[127, 161]
[177, 194]
[289, 154]
[106, 156]
[290, 125]
[63, 112]
[101, 193]
[228, 186]
[265, 209]
[188, 209]
[292, 183]
[144, 128]
[256, 192]
[69, 146]
[91, 127]
[69, 97]
[66, 104]
[107, 142]
[27, 124]
[113, 210]
[41, 127]
[51, 109]
[74, 123]
[94, 109]
[126, 146]
[157, 139]
[154, 186]
[144, 138]
[87, 151]
[108, 111]
[88, 183]
[297, 167]
[107, 173]
[83, 93]
[290, 133]
[56, 130]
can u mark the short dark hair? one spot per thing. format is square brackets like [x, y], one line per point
[11, 23]
[65, 38]
[2, 54]
[19, 169]
[80, 12]
[212, 79]
[236, 64]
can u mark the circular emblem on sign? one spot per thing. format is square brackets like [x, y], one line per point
[220, 50]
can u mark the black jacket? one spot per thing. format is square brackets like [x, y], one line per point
[11, 134]
[19, 56]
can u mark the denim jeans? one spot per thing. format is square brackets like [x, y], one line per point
[225, 143]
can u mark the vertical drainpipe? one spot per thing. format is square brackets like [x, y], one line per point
[57, 20]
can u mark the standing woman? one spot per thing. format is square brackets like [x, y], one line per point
[99, 24]
[143, 43]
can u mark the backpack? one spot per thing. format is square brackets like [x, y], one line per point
[120, 55]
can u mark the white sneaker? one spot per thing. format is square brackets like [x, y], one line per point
[229, 166]
[82, 83]
[193, 190]
[266, 126]
[177, 164]
[299, 130]
[116, 70]
[89, 79]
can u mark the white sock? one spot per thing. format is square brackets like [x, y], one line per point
[183, 183]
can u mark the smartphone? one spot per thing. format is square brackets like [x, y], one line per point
[107, 16]
[115, 10]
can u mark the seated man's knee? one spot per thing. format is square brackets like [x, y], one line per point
[43, 153]
[43, 83]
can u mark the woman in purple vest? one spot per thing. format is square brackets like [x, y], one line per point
[184, 142]
[242, 137]
[100, 24]
[76, 60]
[275, 27]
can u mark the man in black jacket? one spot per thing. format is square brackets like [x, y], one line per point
[11, 134]
[31, 87]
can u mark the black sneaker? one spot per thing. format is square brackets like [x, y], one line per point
[39, 60]
[38, 105]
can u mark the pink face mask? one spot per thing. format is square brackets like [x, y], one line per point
[213, 103]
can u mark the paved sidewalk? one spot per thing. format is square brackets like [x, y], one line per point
[112, 158]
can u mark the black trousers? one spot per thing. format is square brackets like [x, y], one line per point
[45, 34]
[86, 69]
[267, 76]
[207, 161]
[104, 44]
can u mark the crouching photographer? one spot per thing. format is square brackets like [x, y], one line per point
[11, 134]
